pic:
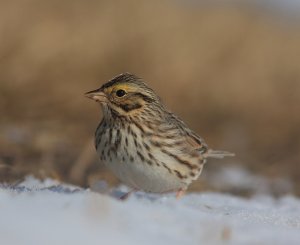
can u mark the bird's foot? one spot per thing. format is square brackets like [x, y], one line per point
[126, 195]
[180, 193]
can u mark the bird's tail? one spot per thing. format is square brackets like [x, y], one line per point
[218, 154]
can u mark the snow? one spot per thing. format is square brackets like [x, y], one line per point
[233, 178]
[50, 212]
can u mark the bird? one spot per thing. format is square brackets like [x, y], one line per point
[144, 144]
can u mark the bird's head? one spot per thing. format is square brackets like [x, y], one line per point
[125, 94]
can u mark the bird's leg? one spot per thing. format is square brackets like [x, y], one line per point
[126, 195]
[180, 193]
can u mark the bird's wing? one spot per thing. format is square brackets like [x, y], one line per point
[189, 138]
[193, 142]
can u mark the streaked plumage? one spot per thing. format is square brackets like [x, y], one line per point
[146, 146]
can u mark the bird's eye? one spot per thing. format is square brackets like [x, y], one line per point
[120, 93]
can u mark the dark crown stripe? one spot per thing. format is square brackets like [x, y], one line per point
[127, 77]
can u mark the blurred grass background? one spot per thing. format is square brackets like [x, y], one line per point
[232, 72]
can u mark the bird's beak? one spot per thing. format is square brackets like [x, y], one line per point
[97, 95]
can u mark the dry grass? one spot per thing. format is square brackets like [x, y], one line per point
[232, 73]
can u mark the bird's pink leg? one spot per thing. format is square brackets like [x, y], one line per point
[180, 193]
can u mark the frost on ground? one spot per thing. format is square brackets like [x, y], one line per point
[48, 212]
[235, 179]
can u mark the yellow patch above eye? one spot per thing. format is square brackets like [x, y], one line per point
[124, 87]
[121, 86]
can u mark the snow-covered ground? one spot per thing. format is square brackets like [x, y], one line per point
[48, 212]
